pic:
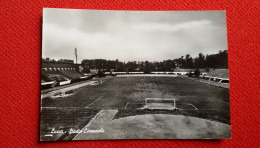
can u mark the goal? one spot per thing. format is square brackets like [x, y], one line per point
[160, 103]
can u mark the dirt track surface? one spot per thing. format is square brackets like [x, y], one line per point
[158, 126]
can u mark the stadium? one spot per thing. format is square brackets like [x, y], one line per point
[139, 75]
[127, 105]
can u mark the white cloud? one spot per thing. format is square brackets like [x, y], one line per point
[131, 37]
[173, 27]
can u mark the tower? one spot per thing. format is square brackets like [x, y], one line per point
[76, 55]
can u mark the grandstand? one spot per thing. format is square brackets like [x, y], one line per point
[217, 75]
[222, 73]
[55, 74]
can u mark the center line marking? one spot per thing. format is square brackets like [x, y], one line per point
[94, 101]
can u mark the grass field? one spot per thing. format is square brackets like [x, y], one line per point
[127, 95]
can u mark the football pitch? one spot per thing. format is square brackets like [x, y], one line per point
[124, 97]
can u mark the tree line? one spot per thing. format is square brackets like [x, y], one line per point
[218, 60]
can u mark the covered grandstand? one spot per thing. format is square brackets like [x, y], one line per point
[55, 74]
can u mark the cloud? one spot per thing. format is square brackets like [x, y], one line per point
[59, 42]
[131, 35]
[173, 27]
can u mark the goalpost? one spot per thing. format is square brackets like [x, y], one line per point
[160, 103]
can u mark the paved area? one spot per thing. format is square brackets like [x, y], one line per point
[158, 126]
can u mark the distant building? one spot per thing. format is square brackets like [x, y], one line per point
[94, 63]
[66, 61]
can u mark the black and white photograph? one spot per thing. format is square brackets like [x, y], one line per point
[112, 75]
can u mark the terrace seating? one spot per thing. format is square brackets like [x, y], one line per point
[60, 72]
[68, 74]
[217, 75]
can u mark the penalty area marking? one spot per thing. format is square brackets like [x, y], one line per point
[220, 100]
[194, 106]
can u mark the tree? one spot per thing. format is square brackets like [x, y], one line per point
[100, 73]
[200, 61]
[197, 72]
[180, 62]
[147, 67]
[188, 61]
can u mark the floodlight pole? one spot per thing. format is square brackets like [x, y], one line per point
[174, 104]
[76, 54]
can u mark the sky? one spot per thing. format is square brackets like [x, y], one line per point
[131, 35]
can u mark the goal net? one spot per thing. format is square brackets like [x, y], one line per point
[160, 103]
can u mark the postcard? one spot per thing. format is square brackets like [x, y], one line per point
[110, 74]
